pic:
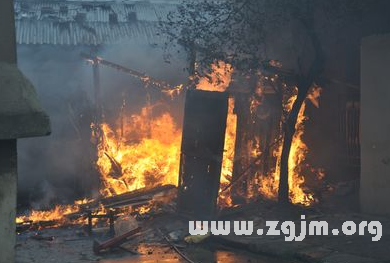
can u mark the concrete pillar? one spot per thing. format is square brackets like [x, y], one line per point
[8, 182]
[375, 125]
[7, 32]
[20, 116]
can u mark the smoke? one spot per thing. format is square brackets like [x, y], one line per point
[60, 168]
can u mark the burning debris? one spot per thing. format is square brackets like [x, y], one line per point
[144, 154]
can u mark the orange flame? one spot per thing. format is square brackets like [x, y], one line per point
[270, 183]
[145, 153]
[219, 78]
[225, 199]
[51, 215]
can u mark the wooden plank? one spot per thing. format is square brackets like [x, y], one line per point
[201, 152]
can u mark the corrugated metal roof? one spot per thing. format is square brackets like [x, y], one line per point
[88, 23]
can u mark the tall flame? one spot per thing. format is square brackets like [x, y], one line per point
[144, 152]
[228, 155]
[297, 191]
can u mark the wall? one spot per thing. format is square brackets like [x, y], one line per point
[375, 125]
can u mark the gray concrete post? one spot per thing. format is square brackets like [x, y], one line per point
[21, 116]
[8, 182]
[375, 125]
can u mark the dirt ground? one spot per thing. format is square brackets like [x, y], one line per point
[71, 245]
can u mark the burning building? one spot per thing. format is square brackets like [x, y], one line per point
[141, 144]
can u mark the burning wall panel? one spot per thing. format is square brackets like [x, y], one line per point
[202, 147]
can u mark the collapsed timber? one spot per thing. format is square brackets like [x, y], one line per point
[104, 207]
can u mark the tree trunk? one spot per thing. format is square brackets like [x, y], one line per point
[305, 81]
[289, 131]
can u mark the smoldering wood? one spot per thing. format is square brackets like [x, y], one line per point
[202, 147]
[141, 76]
[97, 89]
[242, 111]
[253, 164]
[133, 198]
[116, 169]
[136, 196]
[109, 215]
[263, 122]
[269, 130]
[29, 225]
[41, 237]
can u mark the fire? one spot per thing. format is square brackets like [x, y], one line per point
[56, 214]
[228, 155]
[144, 152]
[219, 78]
[270, 183]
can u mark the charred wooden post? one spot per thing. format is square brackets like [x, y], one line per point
[191, 64]
[97, 89]
[242, 110]
[202, 147]
[111, 220]
[271, 128]
[110, 215]
[89, 226]
[20, 116]
[114, 242]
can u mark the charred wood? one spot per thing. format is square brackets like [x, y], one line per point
[133, 197]
[114, 242]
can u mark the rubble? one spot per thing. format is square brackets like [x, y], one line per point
[114, 242]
